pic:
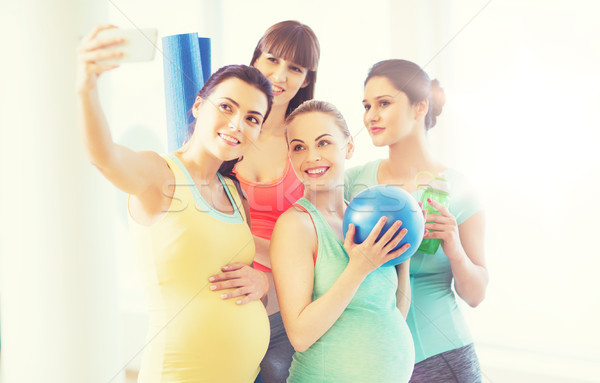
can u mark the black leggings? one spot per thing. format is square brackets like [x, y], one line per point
[275, 366]
[455, 366]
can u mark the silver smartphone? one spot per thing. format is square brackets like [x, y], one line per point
[139, 45]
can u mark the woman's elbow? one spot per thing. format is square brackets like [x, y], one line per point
[299, 341]
[299, 344]
[299, 347]
[99, 159]
[477, 294]
[474, 298]
[475, 301]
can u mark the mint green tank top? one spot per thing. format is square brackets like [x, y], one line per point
[435, 320]
[370, 341]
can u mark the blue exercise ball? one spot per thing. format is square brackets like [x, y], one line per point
[365, 210]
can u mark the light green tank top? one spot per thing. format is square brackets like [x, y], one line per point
[370, 341]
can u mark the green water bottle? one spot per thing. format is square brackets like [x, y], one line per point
[437, 190]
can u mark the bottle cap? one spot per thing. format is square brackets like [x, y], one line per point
[437, 182]
[441, 184]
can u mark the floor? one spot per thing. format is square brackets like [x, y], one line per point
[491, 375]
[495, 375]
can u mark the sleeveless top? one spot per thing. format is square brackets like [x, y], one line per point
[435, 320]
[194, 335]
[268, 201]
[370, 341]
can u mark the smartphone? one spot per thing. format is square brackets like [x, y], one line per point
[139, 45]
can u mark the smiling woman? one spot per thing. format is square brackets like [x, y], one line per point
[288, 55]
[316, 166]
[188, 221]
[338, 306]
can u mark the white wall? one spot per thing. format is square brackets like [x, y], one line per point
[59, 319]
[352, 36]
[521, 82]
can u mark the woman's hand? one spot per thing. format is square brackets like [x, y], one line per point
[464, 248]
[370, 254]
[443, 226]
[91, 51]
[249, 284]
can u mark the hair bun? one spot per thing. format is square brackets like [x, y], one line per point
[438, 98]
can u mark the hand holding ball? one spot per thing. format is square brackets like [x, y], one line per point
[394, 203]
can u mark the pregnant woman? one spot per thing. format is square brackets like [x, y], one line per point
[187, 221]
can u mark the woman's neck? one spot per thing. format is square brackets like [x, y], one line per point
[201, 164]
[329, 202]
[274, 125]
[409, 156]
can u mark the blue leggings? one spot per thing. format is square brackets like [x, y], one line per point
[460, 365]
[275, 366]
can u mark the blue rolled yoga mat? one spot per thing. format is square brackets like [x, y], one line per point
[204, 43]
[186, 65]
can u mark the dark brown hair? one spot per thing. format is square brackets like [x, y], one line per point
[295, 42]
[410, 79]
[249, 75]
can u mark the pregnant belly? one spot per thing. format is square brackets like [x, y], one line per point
[202, 341]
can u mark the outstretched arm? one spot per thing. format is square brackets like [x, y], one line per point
[133, 172]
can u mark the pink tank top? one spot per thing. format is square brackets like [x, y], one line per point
[269, 200]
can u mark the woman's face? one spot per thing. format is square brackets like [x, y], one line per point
[230, 118]
[287, 77]
[318, 150]
[389, 115]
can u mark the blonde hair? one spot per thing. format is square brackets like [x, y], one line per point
[325, 107]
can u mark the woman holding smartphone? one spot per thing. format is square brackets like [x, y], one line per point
[187, 221]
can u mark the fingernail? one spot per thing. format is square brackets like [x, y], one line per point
[429, 200]
[225, 267]
[239, 302]
[211, 279]
[223, 296]
[213, 287]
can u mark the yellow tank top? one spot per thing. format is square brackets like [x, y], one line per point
[194, 335]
